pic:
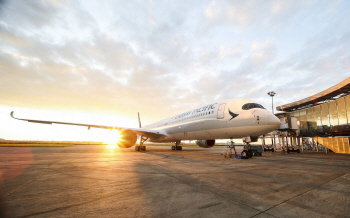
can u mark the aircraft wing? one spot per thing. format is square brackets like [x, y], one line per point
[139, 131]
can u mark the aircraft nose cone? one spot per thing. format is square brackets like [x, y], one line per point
[275, 121]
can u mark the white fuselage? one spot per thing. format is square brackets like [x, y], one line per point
[219, 120]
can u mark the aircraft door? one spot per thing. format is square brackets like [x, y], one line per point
[221, 111]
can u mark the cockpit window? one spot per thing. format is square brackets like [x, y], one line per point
[259, 106]
[251, 105]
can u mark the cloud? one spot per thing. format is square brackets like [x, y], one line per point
[213, 10]
[234, 50]
[162, 58]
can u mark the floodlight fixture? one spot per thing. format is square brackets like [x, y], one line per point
[271, 94]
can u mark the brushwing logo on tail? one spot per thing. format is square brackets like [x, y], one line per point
[232, 114]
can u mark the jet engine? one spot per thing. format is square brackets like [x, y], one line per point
[206, 143]
[127, 138]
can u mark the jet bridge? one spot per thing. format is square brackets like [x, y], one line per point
[288, 129]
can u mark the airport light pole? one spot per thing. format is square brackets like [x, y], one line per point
[271, 94]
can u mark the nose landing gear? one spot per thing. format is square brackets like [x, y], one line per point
[246, 153]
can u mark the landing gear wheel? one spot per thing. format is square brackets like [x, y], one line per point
[177, 146]
[250, 154]
[142, 148]
[137, 148]
[245, 154]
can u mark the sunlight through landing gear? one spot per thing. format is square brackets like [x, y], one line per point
[112, 138]
[111, 147]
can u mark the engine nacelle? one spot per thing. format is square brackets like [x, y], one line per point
[127, 138]
[206, 143]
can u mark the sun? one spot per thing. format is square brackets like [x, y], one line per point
[112, 138]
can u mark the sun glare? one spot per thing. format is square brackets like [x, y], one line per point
[112, 139]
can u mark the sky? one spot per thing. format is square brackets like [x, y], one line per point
[101, 62]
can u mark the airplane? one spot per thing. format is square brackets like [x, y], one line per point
[233, 118]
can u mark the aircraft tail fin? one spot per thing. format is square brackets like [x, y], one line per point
[139, 119]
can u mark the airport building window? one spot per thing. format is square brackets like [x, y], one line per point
[347, 106]
[317, 116]
[325, 117]
[311, 119]
[303, 121]
[342, 119]
[333, 114]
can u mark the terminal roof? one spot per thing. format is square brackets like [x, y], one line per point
[336, 91]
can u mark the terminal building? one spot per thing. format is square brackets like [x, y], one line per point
[324, 117]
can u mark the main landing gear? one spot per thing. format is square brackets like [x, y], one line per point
[141, 147]
[177, 146]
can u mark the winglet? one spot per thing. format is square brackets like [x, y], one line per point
[12, 115]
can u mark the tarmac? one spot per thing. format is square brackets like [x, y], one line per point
[97, 181]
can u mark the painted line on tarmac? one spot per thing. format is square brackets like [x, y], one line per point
[26, 184]
[301, 194]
